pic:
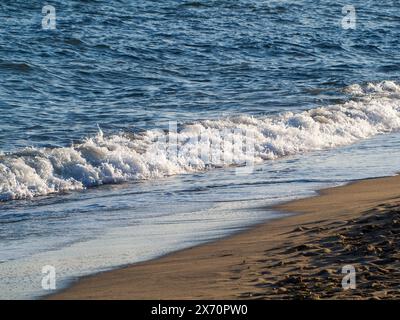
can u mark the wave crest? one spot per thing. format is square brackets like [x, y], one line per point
[199, 146]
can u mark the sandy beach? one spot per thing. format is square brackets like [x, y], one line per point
[299, 256]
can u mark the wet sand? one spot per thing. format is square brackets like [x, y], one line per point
[300, 256]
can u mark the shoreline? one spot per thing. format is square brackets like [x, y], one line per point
[270, 260]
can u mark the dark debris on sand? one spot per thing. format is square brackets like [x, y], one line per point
[313, 269]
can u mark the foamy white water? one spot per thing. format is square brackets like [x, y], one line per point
[374, 109]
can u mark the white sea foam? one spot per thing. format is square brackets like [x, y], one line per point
[200, 146]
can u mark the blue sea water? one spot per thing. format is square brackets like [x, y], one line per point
[322, 101]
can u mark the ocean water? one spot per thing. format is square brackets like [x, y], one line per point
[136, 128]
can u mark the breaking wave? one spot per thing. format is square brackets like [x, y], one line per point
[198, 146]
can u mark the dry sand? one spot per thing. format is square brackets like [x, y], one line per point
[296, 257]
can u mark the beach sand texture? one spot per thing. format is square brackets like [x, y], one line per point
[296, 257]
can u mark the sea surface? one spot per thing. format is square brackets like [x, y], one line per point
[137, 128]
